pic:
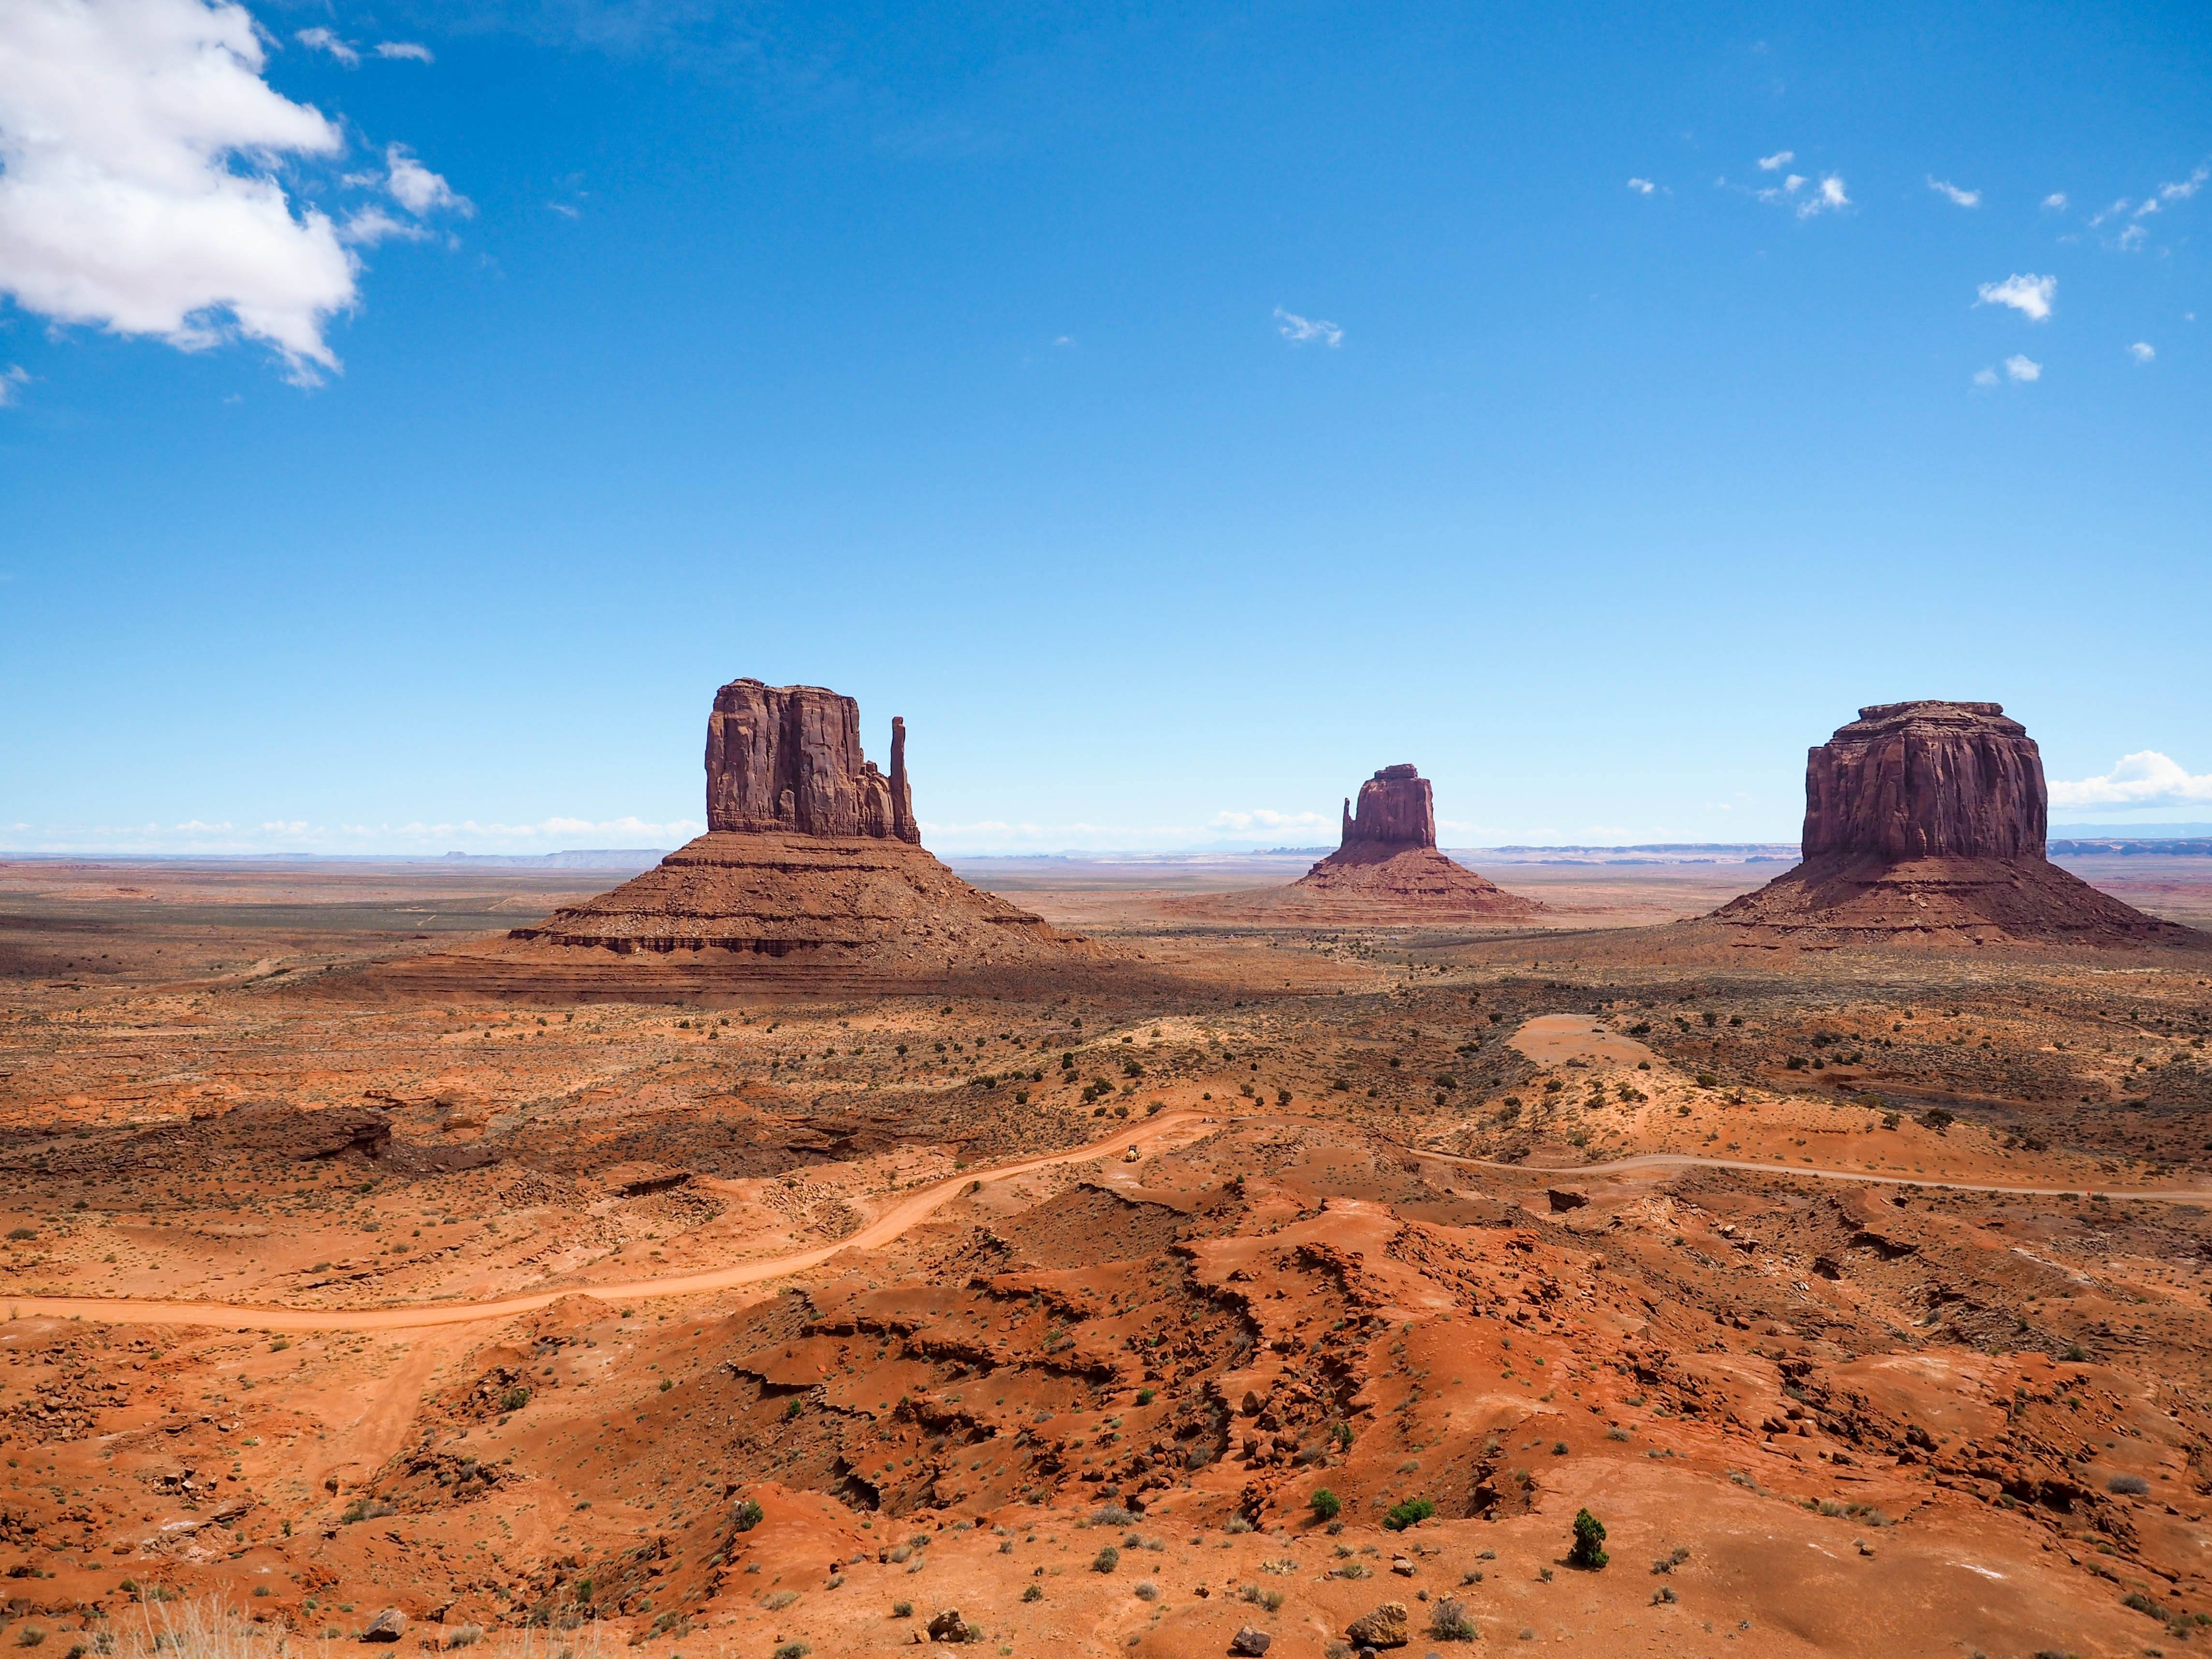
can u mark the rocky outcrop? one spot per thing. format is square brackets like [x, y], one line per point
[1924, 823]
[811, 873]
[789, 758]
[1396, 810]
[1926, 780]
[1387, 871]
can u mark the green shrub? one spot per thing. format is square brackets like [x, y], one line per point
[1588, 1550]
[1448, 1620]
[1410, 1513]
[747, 1515]
[1326, 1504]
[1106, 1560]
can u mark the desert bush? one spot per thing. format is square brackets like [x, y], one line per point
[1410, 1513]
[1587, 1551]
[1448, 1620]
[1033, 1593]
[1147, 1590]
[2131, 1485]
[1106, 1560]
[1271, 1599]
[1238, 1522]
[902, 1609]
[747, 1515]
[1326, 1504]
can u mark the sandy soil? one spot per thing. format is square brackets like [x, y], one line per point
[1863, 1300]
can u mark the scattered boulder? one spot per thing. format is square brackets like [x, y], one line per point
[388, 1626]
[1250, 1642]
[1385, 1627]
[1563, 1199]
[950, 1627]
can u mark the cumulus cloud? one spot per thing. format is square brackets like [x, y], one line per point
[1959, 197]
[1641, 186]
[1780, 159]
[2023, 369]
[404, 48]
[417, 189]
[322, 40]
[1303, 330]
[2143, 351]
[138, 145]
[1827, 199]
[2031, 296]
[2145, 778]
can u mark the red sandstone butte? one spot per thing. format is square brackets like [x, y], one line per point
[1924, 823]
[810, 874]
[1386, 870]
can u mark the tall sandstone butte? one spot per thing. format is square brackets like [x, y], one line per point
[811, 870]
[1386, 869]
[1925, 821]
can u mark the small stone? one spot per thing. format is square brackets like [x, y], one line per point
[387, 1626]
[1401, 1566]
[950, 1627]
[1250, 1642]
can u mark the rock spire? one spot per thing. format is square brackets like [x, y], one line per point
[788, 757]
[1396, 809]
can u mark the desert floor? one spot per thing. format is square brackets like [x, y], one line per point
[1862, 1297]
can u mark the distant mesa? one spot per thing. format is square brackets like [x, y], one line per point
[810, 874]
[1925, 822]
[1385, 870]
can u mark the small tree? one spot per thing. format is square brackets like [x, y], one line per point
[1411, 1513]
[1325, 1504]
[1588, 1550]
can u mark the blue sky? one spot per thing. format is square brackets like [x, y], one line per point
[1174, 413]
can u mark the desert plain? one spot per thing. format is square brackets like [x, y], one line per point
[1277, 1275]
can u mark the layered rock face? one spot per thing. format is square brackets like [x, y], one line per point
[1924, 823]
[1397, 810]
[789, 758]
[1926, 780]
[811, 872]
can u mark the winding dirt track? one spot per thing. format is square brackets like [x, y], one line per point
[1154, 1135]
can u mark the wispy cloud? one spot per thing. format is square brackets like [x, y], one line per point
[1641, 186]
[2056, 201]
[1985, 377]
[1965, 199]
[2143, 351]
[1775, 162]
[322, 40]
[10, 378]
[1829, 197]
[417, 189]
[1303, 331]
[2023, 369]
[367, 227]
[2184, 188]
[2031, 295]
[414, 837]
[2145, 778]
[411, 51]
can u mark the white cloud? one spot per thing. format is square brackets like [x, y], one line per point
[10, 378]
[1965, 199]
[1781, 158]
[2056, 200]
[2143, 351]
[564, 209]
[1985, 377]
[2145, 778]
[322, 40]
[407, 49]
[367, 227]
[2031, 295]
[1265, 817]
[1831, 197]
[2023, 368]
[1641, 186]
[2187, 187]
[417, 189]
[1301, 330]
[120, 204]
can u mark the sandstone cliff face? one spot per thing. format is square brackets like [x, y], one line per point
[1396, 809]
[789, 758]
[1926, 780]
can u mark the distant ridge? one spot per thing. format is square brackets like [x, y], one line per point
[593, 858]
